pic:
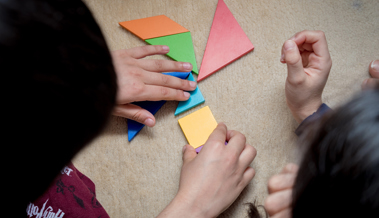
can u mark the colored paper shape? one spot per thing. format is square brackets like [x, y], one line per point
[152, 27]
[181, 47]
[135, 127]
[226, 42]
[198, 126]
[195, 99]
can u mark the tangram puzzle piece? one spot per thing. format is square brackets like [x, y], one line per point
[226, 42]
[198, 126]
[152, 106]
[181, 47]
[152, 27]
[195, 99]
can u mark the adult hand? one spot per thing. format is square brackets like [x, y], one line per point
[373, 82]
[211, 180]
[309, 63]
[140, 80]
[279, 202]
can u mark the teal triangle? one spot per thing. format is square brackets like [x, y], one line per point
[152, 106]
[181, 47]
[195, 99]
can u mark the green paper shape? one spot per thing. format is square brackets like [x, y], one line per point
[181, 47]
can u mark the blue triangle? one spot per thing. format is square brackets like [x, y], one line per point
[195, 99]
[152, 106]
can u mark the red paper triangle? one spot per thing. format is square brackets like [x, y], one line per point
[226, 42]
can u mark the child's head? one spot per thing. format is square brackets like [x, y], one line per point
[60, 88]
[339, 173]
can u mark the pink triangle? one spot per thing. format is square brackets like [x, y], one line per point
[226, 42]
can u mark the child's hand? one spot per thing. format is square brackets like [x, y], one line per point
[211, 180]
[279, 202]
[308, 62]
[140, 80]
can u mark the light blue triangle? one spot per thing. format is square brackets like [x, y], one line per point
[195, 99]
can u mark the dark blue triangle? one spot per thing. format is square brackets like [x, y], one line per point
[152, 106]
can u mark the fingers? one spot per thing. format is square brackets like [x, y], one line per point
[236, 142]
[281, 182]
[135, 113]
[143, 51]
[189, 153]
[316, 38]
[158, 93]
[159, 79]
[219, 134]
[247, 156]
[290, 168]
[374, 69]
[158, 65]
[278, 201]
[372, 83]
[248, 175]
[294, 62]
[286, 213]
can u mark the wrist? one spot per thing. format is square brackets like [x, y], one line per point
[301, 113]
[180, 207]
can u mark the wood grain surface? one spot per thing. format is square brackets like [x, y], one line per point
[139, 178]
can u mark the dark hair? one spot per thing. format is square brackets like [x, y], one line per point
[253, 212]
[339, 172]
[60, 89]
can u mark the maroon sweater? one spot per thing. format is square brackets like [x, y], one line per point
[72, 194]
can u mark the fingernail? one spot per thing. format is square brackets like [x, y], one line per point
[282, 58]
[165, 48]
[187, 95]
[192, 84]
[375, 65]
[149, 122]
[184, 148]
[187, 66]
[289, 44]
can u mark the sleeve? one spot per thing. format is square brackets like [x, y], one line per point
[316, 115]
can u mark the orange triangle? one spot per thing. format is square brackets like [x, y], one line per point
[226, 42]
[153, 27]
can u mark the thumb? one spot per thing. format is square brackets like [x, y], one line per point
[294, 62]
[189, 153]
[136, 113]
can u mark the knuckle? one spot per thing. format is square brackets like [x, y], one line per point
[295, 81]
[165, 79]
[164, 91]
[137, 88]
[145, 49]
[158, 64]
[320, 33]
[184, 83]
[137, 116]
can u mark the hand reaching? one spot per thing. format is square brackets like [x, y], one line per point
[278, 203]
[309, 63]
[140, 80]
[211, 180]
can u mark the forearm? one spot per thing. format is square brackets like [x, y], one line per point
[315, 116]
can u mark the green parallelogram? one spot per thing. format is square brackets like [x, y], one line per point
[181, 47]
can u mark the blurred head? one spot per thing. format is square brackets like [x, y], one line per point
[339, 173]
[60, 88]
